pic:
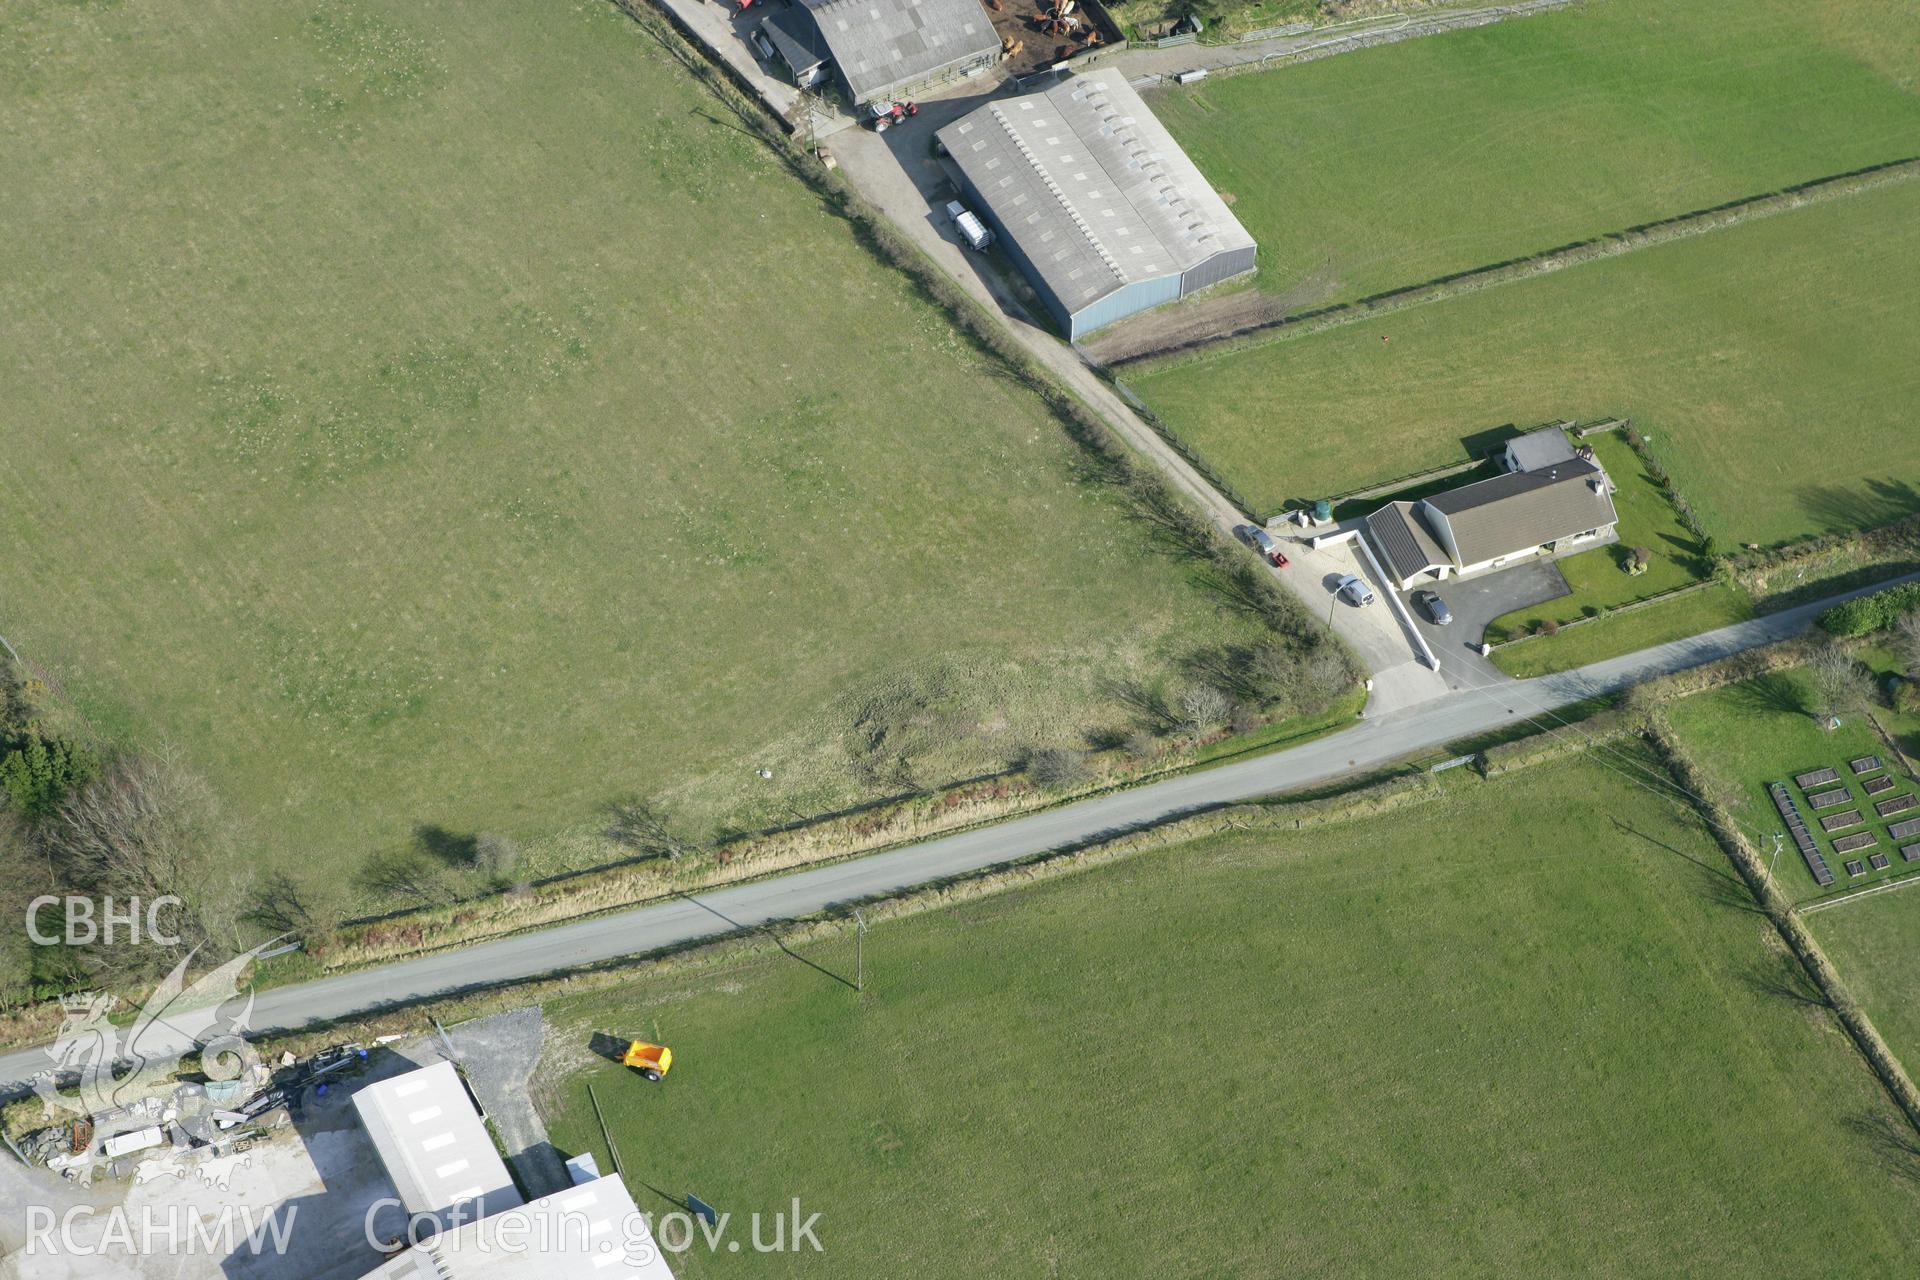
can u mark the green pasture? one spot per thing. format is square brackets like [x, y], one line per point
[1770, 364]
[430, 414]
[1438, 1042]
[1386, 167]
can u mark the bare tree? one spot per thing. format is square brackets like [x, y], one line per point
[644, 828]
[1057, 767]
[406, 874]
[282, 904]
[1841, 686]
[495, 856]
[1205, 708]
[1906, 635]
[146, 828]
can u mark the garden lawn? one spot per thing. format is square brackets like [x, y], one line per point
[1442, 1042]
[1875, 943]
[1762, 731]
[1599, 579]
[1386, 167]
[1692, 614]
[1771, 364]
[430, 413]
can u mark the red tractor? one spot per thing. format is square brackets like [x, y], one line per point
[885, 115]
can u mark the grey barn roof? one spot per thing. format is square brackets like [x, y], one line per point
[795, 40]
[432, 1143]
[880, 43]
[1525, 509]
[1546, 447]
[1093, 187]
[1409, 548]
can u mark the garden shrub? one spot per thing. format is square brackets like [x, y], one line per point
[1871, 613]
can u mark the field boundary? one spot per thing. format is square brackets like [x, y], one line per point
[1786, 919]
[1610, 244]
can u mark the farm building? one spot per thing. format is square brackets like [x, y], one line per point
[1521, 515]
[1095, 200]
[442, 1161]
[886, 49]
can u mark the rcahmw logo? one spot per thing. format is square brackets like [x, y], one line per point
[157, 1231]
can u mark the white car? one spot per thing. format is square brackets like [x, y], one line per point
[1355, 592]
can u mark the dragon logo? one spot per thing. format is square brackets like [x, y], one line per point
[119, 1080]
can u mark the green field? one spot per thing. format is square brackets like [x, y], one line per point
[1771, 364]
[430, 414]
[1436, 1043]
[1875, 943]
[1387, 167]
[1763, 731]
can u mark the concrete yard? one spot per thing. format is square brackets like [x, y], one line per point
[310, 1194]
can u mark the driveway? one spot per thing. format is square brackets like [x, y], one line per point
[1475, 603]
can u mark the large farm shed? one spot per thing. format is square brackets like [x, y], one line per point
[1095, 200]
[887, 49]
[441, 1159]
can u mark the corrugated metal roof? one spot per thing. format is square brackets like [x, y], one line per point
[879, 43]
[1094, 188]
[433, 1144]
[1525, 509]
[1409, 548]
[592, 1230]
[795, 40]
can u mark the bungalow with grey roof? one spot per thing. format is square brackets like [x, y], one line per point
[1523, 515]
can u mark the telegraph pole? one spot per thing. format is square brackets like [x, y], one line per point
[859, 951]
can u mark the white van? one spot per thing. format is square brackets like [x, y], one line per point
[972, 230]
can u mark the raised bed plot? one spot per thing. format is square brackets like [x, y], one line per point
[1828, 799]
[1899, 804]
[1901, 830]
[1875, 786]
[1855, 843]
[1841, 821]
[1856, 868]
[1865, 764]
[1910, 853]
[1879, 861]
[1802, 838]
[1816, 778]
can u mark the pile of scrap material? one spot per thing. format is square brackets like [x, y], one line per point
[179, 1120]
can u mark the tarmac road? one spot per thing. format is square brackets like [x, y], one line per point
[1371, 743]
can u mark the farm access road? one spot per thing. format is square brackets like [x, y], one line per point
[678, 921]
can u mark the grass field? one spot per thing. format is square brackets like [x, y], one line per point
[1443, 1044]
[1770, 363]
[425, 413]
[1875, 943]
[1386, 167]
[1762, 731]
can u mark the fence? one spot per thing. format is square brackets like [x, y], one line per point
[1193, 456]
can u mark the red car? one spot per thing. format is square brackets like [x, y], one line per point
[1264, 543]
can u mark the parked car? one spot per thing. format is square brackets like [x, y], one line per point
[1263, 543]
[1355, 592]
[1436, 607]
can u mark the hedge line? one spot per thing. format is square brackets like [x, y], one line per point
[1871, 613]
